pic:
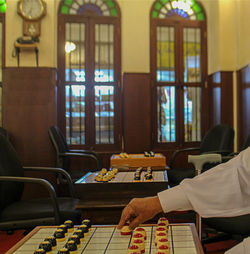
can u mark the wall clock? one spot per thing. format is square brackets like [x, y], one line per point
[32, 11]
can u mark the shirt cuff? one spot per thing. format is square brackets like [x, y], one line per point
[174, 199]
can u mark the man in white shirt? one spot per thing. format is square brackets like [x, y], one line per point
[223, 191]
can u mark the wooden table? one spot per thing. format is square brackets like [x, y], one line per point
[103, 202]
[138, 160]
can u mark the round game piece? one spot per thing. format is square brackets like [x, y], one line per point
[163, 220]
[138, 236]
[39, 251]
[105, 178]
[141, 231]
[98, 178]
[159, 230]
[70, 225]
[104, 171]
[59, 235]
[87, 223]
[46, 245]
[126, 230]
[52, 240]
[84, 229]
[63, 251]
[76, 239]
[72, 247]
[140, 244]
[137, 179]
[160, 236]
[80, 234]
[163, 249]
[64, 229]
[133, 249]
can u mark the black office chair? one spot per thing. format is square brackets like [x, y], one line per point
[16, 213]
[64, 154]
[218, 139]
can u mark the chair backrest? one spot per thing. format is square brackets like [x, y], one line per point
[60, 145]
[246, 143]
[219, 137]
[10, 165]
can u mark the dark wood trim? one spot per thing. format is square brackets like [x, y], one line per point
[224, 81]
[243, 105]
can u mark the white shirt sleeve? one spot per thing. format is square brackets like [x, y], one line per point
[223, 191]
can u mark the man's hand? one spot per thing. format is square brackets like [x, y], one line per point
[140, 210]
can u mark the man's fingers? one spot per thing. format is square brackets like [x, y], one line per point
[135, 222]
[126, 214]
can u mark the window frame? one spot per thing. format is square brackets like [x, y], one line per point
[90, 21]
[179, 24]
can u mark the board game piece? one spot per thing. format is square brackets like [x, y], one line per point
[72, 247]
[59, 235]
[138, 236]
[141, 231]
[52, 240]
[46, 245]
[86, 222]
[63, 251]
[160, 236]
[80, 234]
[39, 251]
[70, 225]
[164, 248]
[76, 239]
[133, 249]
[125, 230]
[64, 228]
[140, 243]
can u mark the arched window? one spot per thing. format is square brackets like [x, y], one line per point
[89, 72]
[178, 69]
[2, 49]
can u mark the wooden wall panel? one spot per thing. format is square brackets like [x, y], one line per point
[221, 98]
[243, 95]
[29, 109]
[136, 112]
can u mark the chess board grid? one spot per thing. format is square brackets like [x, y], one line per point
[124, 177]
[107, 240]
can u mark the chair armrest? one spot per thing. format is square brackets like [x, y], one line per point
[99, 165]
[177, 152]
[81, 155]
[56, 170]
[42, 182]
[221, 152]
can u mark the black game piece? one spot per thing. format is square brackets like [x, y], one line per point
[52, 240]
[75, 238]
[63, 251]
[69, 224]
[87, 223]
[46, 245]
[71, 246]
[64, 228]
[84, 228]
[59, 234]
[79, 233]
[39, 251]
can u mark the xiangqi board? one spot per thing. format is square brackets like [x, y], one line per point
[183, 239]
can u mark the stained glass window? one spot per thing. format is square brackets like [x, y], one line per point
[187, 9]
[2, 6]
[79, 7]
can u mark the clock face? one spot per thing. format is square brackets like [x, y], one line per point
[32, 9]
